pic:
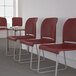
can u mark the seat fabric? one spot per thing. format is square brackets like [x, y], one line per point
[15, 38]
[36, 41]
[56, 48]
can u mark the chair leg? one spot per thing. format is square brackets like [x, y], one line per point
[56, 69]
[14, 50]
[26, 60]
[31, 57]
[65, 60]
[20, 53]
[38, 68]
[7, 47]
[7, 44]
[44, 68]
[37, 49]
[43, 55]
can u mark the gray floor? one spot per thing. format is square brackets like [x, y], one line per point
[8, 67]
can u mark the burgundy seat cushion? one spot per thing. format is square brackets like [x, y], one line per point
[15, 38]
[36, 41]
[56, 48]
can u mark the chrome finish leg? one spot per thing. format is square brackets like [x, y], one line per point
[38, 61]
[37, 49]
[7, 44]
[31, 57]
[43, 55]
[65, 60]
[6, 47]
[14, 50]
[20, 52]
[56, 69]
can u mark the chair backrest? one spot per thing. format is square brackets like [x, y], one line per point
[16, 21]
[30, 26]
[69, 30]
[48, 28]
[3, 22]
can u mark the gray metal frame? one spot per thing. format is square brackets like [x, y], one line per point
[38, 66]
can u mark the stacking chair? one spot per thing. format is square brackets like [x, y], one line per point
[3, 24]
[48, 35]
[16, 23]
[69, 43]
[30, 33]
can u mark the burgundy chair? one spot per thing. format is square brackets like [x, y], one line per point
[16, 21]
[3, 23]
[69, 40]
[48, 35]
[30, 33]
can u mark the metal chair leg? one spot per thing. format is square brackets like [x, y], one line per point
[56, 69]
[43, 55]
[14, 50]
[31, 57]
[65, 60]
[38, 61]
[37, 49]
[7, 44]
[20, 53]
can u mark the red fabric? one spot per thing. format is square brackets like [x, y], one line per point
[56, 48]
[48, 28]
[69, 34]
[30, 26]
[15, 38]
[69, 30]
[36, 41]
[3, 23]
[16, 21]
[3, 28]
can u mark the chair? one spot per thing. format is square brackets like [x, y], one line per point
[16, 23]
[48, 35]
[69, 40]
[3, 24]
[30, 33]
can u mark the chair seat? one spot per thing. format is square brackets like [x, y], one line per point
[36, 41]
[15, 38]
[56, 48]
[4, 28]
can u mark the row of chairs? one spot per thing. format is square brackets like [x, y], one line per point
[48, 35]
[16, 21]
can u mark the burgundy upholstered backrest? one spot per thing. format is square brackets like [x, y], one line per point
[48, 28]
[69, 30]
[30, 26]
[3, 21]
[16, 21]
